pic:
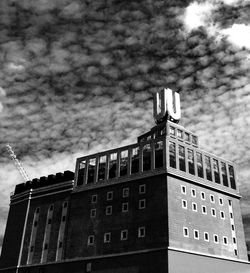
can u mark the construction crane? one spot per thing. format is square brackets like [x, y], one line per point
[17, 163]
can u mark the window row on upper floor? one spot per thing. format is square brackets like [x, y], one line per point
[200, 164]
[132, 160]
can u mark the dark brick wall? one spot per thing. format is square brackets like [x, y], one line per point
[179, 218]
[153, 217]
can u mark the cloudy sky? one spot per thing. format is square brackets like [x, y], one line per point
[78, 77]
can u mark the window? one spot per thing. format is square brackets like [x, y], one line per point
[109, 210]
[63, 218]
[208, 168]
[191, 161]
[91, 170]
[194, 206]
[216, 239]
[146, 157]
[124, 207]
[194, 140]
[125, 192]
[182, 164]
[193, 192]
[158, 154]
[91, 240]
[31, 248]
[107, 237]
[124, 235]
[37, 210]
[45, 246]
[199, 164]
[232, 226]
[206, 236]
[124, 163]
[221, 201]
[49, 221]
[60, 244]
[51, 207]
[172, 131]
[35, 223]
[230, 202]
[110, 195]
[235, 252]
[185, 232]
[222, 215]
[141, 232]
[135, 160]
[142, 204]
[112, 165]
[172, 155]
[234, 240]
[65, 204]
[81, 172]
[231, 215]
[203, 196]
[212, 198]
[213, 212]
[94, 199]
[216, 171]
[231, 177]
[142, 189]
[102, 167]
[184, 204]
[179, 133]
[187, 137]
[224, 174]
[196, 234]
[93, 213]
[225, 240]
[183, 189]
[204, 209]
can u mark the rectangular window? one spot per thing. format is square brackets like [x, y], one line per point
[206, 236]
[109, 195]
[94, 199]
[194, 206]
[81, 172]
[49, 221]
[142, 189]
[179, 133]
[213, 212]
[183, 189]
[230, 202]
[187, 137]
[199, 164]
[102, 167]
[231, 177]
[125, 192]
[135, 160]
[109, 210]
[232, 227]
[142, 204]
[93, 213]
[204, 209]
[172, 131]
[231, 215]
[51, 207]
[221, 201]
[191, 161]
[63, 218]
[112, 165]
[172, 155]
[225, 240]
[146, 156]
[234, 240]
[208, 168]
[182, 164]
[91, 170]
[125, 207]
[193, 192]
[107, 237]
[224, 174]
[37, 210]
[203, 196]
[222, 215]
[65, 204]
[124, 235]
[185, 232]
[216, 238]
[235, 252]
[184, 204]
[212, 198]
[216, 171]
[91, 240]
[194, 140]
[158, 154]
[124, 163]
[141, 232]
[196, 234]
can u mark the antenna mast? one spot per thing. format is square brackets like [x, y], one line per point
[17, 163]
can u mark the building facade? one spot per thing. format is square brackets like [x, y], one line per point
[159, 205]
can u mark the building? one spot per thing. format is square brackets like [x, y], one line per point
[159, 205]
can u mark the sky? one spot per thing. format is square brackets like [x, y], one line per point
[77, 77]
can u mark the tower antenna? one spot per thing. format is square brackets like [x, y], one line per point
[17, 163]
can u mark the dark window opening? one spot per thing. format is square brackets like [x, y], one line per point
[51, 208]
[208, 168]
[231, 177]
[146, 157]
[91, 170]
[49, 221]
[159, 154]
[65, 204]
[194, 140]
[37, 210]
[63, 218]
[172, 154]
[81, 172]
[191, 161]
[216, 171]
[199, 165]
[112, 165]
[45, 246]
[124, 163]
[60, 244]
[180, 133]
[187, 137]
[35, 223]
[135, 160]
[31, 248]
[102, 167]
[172, 131]
[182, 164]
[224, 174]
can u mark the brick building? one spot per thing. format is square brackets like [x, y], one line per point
[159, 205]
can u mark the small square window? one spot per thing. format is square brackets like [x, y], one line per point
[216, 239]
[225, 240]
[110, 195]
[124, 207]
[141, 232]
[221, 201]
[124, 235]
[93, 213]
[206, 236]
[212, 198]
[196, 234]
[185, 232]
[184, 204]
[125, 192]
[213, 212]
[204, 209]
[142, 189]
[94, 199]
[222, 215]
[193, 192]
[203, 196]
[91, 240]
[107, 237]
[142, 204]
[194, 206]
[183, 189]
[109, 210]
